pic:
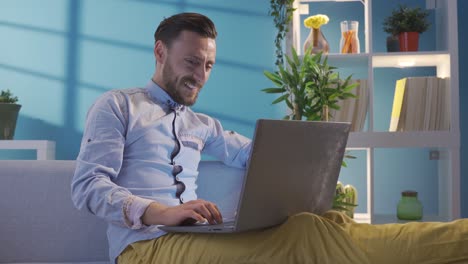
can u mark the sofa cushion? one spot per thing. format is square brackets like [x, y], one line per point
[38, 222]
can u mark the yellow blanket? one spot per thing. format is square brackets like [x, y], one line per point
[307, 238]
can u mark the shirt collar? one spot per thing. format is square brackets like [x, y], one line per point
[162, 96]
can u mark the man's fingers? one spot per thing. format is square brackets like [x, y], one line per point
[207, 210]
[216, 214]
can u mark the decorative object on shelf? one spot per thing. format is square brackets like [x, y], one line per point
[316, 41]
[9, 110]
[345, 199]
[281, 11]
[349, 42]
[393, 44]
[407, 23]
[409, 207]
[353, 110]
[308, 84]
[421, 104]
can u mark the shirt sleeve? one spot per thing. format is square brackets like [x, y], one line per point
[134, 210]
[232, 148]
[99, 162]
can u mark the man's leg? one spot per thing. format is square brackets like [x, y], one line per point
[304, 238]
[307, 238]
[413, 242]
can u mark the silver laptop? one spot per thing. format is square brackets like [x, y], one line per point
[293, 167]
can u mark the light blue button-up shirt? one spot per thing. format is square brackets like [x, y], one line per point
[133, 140]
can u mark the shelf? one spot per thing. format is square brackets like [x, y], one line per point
[370, 65]
[45, 149]
[348, 60]
[385, 219]
[441, 60]
[362, 218]
[415, 139]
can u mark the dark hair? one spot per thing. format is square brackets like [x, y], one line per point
[170, 28]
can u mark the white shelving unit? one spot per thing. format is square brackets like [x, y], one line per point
[445, 60]
[45, 149]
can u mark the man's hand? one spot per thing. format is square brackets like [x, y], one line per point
[198, 210]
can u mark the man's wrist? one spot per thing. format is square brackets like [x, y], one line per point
[152, 214]
[134, 210]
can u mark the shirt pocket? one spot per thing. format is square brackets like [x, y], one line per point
[192, 141]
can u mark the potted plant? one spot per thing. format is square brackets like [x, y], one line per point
[9, 110]
[407, 23]
[309, 87]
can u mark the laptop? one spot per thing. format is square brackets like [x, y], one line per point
[293, 167]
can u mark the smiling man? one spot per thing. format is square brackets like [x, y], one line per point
[141, 147]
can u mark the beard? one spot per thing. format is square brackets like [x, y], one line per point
[177, 88]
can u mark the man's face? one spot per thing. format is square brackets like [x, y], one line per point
[187, 66]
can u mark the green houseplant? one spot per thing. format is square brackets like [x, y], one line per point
[9, 110]
[310, 86]
[407, 23]
[281, 11]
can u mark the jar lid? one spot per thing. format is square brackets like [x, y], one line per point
[409, 193]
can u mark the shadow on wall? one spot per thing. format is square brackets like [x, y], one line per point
[62, 58]
[67, 140]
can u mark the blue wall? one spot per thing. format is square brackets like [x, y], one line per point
[59, 55]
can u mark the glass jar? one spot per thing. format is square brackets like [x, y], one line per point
[349, 42]
[409, 207]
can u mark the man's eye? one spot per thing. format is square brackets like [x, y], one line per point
[192, 62]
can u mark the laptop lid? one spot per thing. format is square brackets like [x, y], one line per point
[293, 167]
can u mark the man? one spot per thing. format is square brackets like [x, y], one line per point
[138, 164]
[141, 147]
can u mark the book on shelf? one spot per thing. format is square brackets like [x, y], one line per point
[353, 110]
[421, 104]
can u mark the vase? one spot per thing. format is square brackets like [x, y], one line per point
[409, 207]
[349, 42]
[316, 42]
[409, 41]
[8, 118]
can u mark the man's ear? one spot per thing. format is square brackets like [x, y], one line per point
[160, 51]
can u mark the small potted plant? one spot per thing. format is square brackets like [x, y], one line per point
[407, 23]
[9, 110]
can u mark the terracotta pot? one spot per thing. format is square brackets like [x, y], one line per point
[409, 41]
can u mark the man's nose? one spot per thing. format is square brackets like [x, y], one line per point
[200, 74]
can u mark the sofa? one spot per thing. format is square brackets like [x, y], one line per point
[39, 224]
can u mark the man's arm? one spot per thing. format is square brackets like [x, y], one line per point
[100, 160]
[230, 147]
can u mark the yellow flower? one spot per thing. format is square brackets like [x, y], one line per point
[316, 21]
